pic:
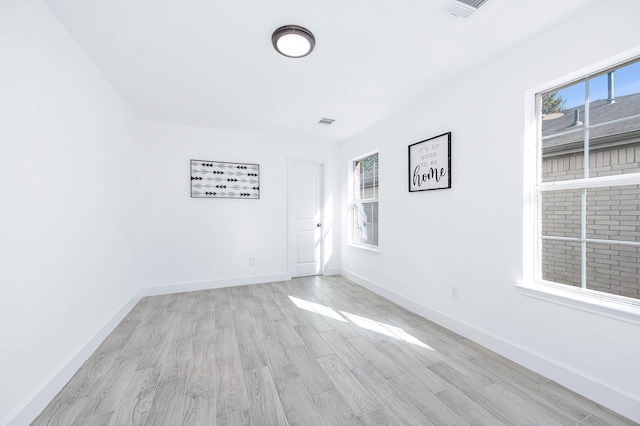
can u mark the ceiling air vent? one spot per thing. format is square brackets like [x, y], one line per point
[464, 8]
[326, 121]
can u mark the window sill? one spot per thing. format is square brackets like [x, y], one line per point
[616, 307]
[369, 249]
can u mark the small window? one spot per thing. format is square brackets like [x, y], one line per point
[364, 211]
[588, 184]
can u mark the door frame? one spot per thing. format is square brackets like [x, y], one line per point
[290, 255]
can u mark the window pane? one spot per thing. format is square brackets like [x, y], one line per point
[370, 177]
[563, 154]
[614, 148]
[561, 213]
[561, 262]
[357, 180]
[613, 213]
[567, 166]
[615, 160]
[567, 120]
[366, 223]
[371, 211]
[615, 95]
[359, 224]
[558, 109]
[614, 268]
[365, 176]
[376, 178]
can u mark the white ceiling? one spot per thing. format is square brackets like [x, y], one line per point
[211, 63]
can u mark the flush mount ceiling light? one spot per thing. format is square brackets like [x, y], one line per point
[293, 41]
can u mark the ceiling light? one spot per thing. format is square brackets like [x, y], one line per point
[293, 41]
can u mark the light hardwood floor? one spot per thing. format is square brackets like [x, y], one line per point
[311, 351]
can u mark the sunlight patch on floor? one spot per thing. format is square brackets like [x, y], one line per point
[317, 308]
[386, 329]
[362, 322]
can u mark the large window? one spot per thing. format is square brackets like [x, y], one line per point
[588, 184]
[364, 211]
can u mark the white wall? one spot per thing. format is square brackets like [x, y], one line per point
[65, 186]
[470, 236]
[190, 243]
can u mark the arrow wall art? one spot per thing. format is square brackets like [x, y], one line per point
[228, 180]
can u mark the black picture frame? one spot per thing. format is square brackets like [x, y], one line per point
[220, 179]
[430, 164]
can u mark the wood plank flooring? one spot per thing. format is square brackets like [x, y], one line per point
[311, 351]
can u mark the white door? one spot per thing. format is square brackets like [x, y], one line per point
[305, 203]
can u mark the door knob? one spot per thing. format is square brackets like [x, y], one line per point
[318, 225]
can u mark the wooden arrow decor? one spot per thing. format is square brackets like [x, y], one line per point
[217, 179]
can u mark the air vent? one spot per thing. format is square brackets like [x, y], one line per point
[464, 8]
[473, 3]
[326, 121]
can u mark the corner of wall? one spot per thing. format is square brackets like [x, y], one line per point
[26, 412]
[331, 270]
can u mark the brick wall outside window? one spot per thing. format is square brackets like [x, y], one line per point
[612, 214]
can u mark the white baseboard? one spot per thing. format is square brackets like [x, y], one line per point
[212, 284]
[26, 412]
[606, 394]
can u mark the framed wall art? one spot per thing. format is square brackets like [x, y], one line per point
[218, 179]
[430, 163]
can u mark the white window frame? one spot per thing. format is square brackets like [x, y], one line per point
[353, 204]
[619, 307]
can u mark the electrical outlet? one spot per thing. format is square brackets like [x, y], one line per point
[252, 261]
[454, 293]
